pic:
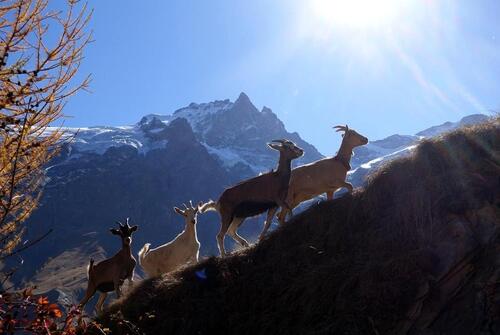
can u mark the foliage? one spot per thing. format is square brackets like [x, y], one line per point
[40, 54]
[28, 314]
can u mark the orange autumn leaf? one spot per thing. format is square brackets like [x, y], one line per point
[43, 301]
[54, 311]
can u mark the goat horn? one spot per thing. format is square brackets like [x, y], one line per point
[341, 128]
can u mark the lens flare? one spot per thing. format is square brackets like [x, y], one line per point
[357, 14]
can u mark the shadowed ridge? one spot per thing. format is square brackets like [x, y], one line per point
[415, 252]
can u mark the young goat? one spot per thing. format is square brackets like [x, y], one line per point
[110, 274]
[183, 249]
[323, 176]
[254, 196]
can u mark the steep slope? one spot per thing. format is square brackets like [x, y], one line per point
[142, 171]
[415, 252]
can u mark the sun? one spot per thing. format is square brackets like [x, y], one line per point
[356, 14]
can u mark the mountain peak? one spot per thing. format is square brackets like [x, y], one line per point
[244, 107]
[243, 98]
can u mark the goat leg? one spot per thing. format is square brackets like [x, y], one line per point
[282, 216]
[89, 294]
[100, 302]
[131, 280]
[118, 291]
[267, 224]
[284, 205]
[232, 231]
[347, 185]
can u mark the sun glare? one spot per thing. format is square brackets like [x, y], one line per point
[356, 14]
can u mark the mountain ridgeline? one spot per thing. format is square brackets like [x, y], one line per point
[142, 171]
[414, 252]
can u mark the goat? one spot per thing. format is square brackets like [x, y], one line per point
[109, 275]
[254, 196]
[183, 249]
[323, 176]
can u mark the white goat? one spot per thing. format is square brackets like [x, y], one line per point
[181, 250]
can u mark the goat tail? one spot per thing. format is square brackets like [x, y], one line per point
[143, 252]
[209, 206]
[90, 268]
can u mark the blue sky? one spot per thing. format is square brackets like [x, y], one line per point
[398, 66]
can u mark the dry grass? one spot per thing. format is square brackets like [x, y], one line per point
[67, 271]
[354, 265]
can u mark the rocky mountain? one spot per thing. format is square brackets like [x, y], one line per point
[141, 171]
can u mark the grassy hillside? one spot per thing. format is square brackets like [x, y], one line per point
[416, 251]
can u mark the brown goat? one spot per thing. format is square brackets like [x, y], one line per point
[254, 196]
[110, 274]
[323, 176]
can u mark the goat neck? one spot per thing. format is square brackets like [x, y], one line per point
[284, 165]
[190, 230]
[126, 251]
[345, 153]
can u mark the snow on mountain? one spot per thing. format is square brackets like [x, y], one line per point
[367, 158]
[99, 139]
[380, 148]
[235, 133]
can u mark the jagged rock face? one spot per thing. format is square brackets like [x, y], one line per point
[142, 171]
[240, 128]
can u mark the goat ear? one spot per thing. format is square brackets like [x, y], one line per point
[115, 231]
[134, 228]
[198, 207]
[178, 211]
[274, 146]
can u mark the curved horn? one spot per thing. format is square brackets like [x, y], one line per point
[279, 141]
[341, 128]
